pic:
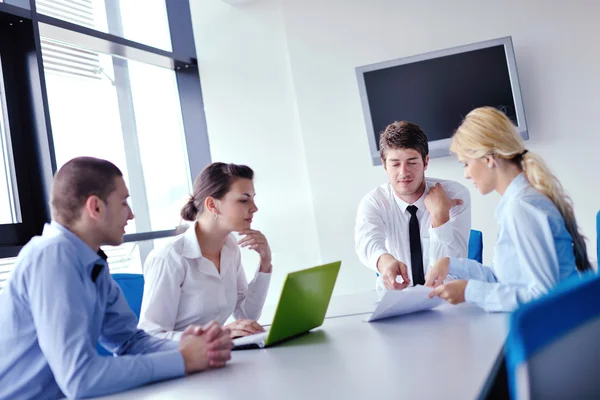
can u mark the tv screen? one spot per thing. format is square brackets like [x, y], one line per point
[437, 90]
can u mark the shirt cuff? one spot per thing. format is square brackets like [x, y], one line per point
[375, 257]
[475, 292]
[258, 288]
[166, 365]
[458, 267]
[172, 344]
[262, 279]
[443, 233]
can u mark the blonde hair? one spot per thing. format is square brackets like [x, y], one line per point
[488, 131]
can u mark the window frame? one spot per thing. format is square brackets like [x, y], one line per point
[36, 172]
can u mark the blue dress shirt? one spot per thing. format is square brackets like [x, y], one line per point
[533, 252]
[52, 315]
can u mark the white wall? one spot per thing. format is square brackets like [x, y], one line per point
[251, 117]
[558, 59]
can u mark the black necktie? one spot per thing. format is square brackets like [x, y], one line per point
[416, 254]
[96, 271]
[98, 267]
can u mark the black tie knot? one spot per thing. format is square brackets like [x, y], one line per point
[412, 210]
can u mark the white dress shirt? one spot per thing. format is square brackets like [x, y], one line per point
[182, 287]
[533, 252]
[382, 226]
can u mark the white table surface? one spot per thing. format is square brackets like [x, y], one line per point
[340, 305]
[445, 353]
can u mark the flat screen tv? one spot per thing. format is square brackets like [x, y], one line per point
[437, 90]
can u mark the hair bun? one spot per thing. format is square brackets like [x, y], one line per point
[189, 212]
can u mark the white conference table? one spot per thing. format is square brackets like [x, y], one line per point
[447, 352]
[339, 305]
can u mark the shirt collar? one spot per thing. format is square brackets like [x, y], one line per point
[191, 247]
[420, 203]
[85, 253]
[518, 183]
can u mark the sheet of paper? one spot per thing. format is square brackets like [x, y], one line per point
[409, 300]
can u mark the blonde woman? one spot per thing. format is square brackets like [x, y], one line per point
[538, 243]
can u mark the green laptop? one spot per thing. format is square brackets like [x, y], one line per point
[302, 306]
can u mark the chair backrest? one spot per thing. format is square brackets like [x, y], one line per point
[476, 246]
[553, 350]
[132, 286]
[598, 240]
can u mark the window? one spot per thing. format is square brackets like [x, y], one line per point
[123, 259]
[126, 112]
[6, 266]
[127, 258]
[143, 22]
[115, 79]
[9, 204]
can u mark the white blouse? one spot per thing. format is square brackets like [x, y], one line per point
[182, 287]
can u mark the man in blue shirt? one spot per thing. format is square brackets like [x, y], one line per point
[61, 300]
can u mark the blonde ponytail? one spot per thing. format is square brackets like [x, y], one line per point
[539, 176]
[488, 131]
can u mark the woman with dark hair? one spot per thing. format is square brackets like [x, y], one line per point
[198, 276]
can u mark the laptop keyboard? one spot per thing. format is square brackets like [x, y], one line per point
[257, 339]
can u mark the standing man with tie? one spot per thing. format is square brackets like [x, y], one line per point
[403, 225]
[61, 300]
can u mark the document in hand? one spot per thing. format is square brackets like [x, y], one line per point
[409, 300]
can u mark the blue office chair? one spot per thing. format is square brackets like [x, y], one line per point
[132, 286]
[552, 350]
[476, 246]
[598, 240]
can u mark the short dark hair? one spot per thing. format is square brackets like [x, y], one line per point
[214, 181]
[77, 180]
[403, 135]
